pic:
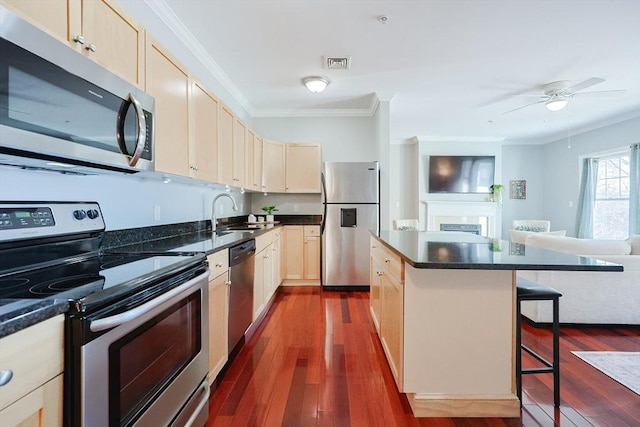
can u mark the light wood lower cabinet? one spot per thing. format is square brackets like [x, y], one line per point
[301, 253]
[33, 396]
[387, 305]
[267, 270]
[218, 312]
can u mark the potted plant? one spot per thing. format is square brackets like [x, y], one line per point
[269, 210]
[496, 192]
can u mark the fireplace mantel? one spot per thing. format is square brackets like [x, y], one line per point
[488, 214]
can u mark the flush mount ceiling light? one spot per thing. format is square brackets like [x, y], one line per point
[557, 103]
[316, 84]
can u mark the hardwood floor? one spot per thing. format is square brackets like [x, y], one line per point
[315, 360]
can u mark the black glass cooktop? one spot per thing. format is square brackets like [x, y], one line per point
[78, 277]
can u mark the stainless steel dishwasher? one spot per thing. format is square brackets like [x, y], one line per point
[241, 269]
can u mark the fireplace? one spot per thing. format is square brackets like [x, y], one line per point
[485, 215]
[467, 228]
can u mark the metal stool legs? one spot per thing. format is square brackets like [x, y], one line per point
[539, 292]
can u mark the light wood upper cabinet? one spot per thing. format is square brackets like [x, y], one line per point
[100, 29]
[168, 82]
[203, 147]
[226, 119]
[273, 161]
[303, 168]
[253, 162]
[238, 152]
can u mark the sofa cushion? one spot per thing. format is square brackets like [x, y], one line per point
[579, 246]
[518, 236]
[634, 241]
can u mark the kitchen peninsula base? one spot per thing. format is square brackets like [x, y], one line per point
[459, 343]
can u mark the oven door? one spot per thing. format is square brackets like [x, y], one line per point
[149, 368]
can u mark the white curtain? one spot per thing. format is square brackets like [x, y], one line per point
[634, 190]
[587, 199]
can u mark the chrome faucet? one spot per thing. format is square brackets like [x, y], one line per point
[214, 220]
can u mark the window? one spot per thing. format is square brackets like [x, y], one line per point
[611, 214]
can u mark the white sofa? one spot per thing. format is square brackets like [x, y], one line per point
[589, 297]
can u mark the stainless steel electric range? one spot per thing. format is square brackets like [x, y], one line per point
[136, 347]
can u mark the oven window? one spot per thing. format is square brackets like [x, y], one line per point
[144, 362]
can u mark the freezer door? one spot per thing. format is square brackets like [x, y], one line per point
[345, 243]
[350, 182]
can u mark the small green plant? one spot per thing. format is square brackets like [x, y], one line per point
[496, 188]
[269, 209]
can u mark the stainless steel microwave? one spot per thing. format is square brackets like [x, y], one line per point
[57, 104]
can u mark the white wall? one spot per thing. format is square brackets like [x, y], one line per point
[561, 176]
[523, 162]
[404, 181]
[126, 201]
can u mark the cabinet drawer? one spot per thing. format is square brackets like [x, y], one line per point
[34, 355]
[311, 230]
[218, 263]
[263, 241]
[375, 248]
[393, 264]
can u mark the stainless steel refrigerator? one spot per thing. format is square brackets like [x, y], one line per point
[351, 202]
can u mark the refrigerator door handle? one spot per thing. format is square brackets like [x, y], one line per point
[324, 204]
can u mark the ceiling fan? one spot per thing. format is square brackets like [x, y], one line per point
[558, 94]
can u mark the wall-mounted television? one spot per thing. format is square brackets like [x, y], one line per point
[461, 174]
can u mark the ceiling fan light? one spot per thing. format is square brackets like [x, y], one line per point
[556, 104]
[315, 84]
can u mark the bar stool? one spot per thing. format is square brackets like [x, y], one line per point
[528, 290]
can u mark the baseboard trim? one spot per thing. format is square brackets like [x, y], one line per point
[300, 282]
[429, 406]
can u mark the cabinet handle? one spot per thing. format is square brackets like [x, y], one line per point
[373, 247]
[218, 264]
[387, 260]
[228, 283]
[380, 273]
[79, 39]
[92, 47]
[5, 377]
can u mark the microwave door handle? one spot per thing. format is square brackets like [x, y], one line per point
[141, 138]
[122, 318]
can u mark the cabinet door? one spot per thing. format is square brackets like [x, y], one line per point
[238, 155]
[273, 156]
[303, 168]
[276, 272]
[40, 408]
[249, 159]
[51, 16]
[376, 270]
[225, 145]
[391, 326]
[293, 266]
[218, 312]
[256, 185]
[259, 283]
[203, 148]
[312, 257]
[268, 274]
[168, 83]
[117, 38]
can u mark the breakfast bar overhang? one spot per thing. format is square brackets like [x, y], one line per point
[446, 316]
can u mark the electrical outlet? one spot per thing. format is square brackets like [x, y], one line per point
[156, 213]
[570, 203]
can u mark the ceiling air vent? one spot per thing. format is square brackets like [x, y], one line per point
[337, 62]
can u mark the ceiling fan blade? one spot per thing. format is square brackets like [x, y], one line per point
[600, 93]
[583, 85]
[525, 106]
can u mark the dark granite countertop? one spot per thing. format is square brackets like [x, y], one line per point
[450, 250]
[16, 315]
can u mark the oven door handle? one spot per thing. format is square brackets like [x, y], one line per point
[119, 319]
[205, 399]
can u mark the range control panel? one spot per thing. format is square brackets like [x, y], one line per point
[20, 221]
[25, 218]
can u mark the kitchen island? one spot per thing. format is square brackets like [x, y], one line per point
[443, 304]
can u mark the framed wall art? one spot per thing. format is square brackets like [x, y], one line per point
[518, 189]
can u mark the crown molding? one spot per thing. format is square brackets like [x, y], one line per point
[164, 12]
[458, 139]
[323, 112]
